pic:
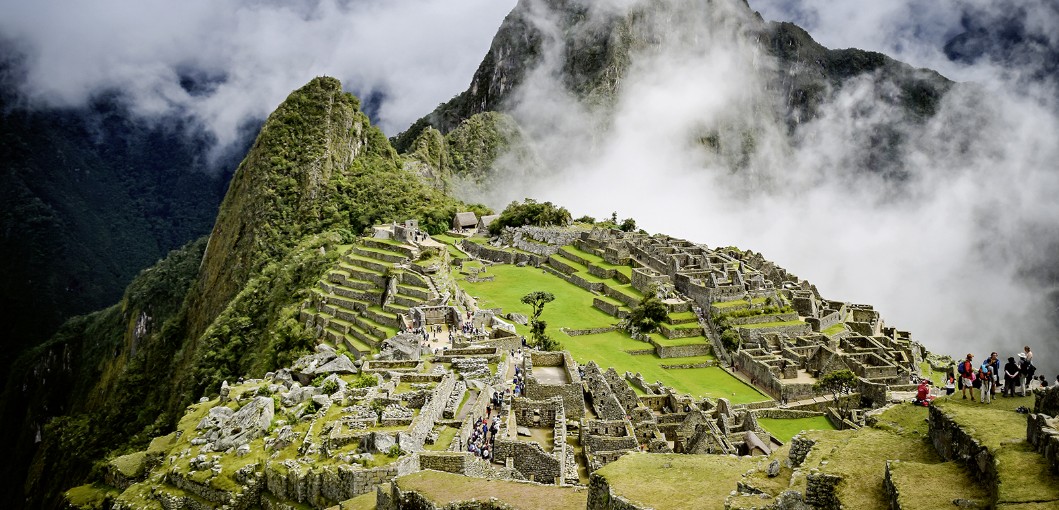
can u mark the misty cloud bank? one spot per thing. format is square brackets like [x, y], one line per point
[223, 63]
[954, 250]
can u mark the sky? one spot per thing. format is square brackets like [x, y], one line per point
[947, 258]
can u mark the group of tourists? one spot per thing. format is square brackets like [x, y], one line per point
[483, 435]
[518, 383]
[985, 378]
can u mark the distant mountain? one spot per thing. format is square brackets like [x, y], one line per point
[598, 45]
[92, 196]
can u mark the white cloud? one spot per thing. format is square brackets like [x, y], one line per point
[417, 52]
[942, 253]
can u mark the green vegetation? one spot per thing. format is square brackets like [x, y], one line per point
[785, 429]
[837, 383]
[672, 474]
[530, 212]
[537, 299]
[648, 314]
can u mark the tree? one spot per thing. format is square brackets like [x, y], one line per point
[649, 313]
[627, 225]
[537, 300]
[839, 382]
[530, 212]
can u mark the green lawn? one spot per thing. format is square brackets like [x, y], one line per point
[572, 307]
[608, 350]
[785, 429]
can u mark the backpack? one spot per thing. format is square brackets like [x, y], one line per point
[964, 367]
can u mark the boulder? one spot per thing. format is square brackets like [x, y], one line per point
[523, 431]
[383, 442]
[246, 424]
[339, 365]
[774, 469]
[215, 418]
[305, 368]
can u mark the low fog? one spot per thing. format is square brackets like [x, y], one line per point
[949, 252]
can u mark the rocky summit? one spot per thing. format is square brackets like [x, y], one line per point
[353, 334]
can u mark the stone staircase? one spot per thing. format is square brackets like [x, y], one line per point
[366, 297]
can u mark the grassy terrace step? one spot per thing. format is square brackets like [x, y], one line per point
[682, 318]
[673, 474]
[353, 268]
[353, 343]
[368, 263]
[859, 457]
[834, 330]
[381, 255]
[948, 482]
[388, 330]
[1025, 476]
[598, 261]
[347, 280]
[674, 342]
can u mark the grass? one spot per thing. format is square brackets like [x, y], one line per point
[676, 342]
[91, 496]
[445, 437]
[447, 489]
[672, 481]
[608, 350]
[834, 330]
[572, 307]
[690, 360]
[859, 457]
[1025, 476]
[785, 429]
[938, 378]
[948, 481]
[365, 501]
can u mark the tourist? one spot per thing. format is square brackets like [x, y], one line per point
[1011, 377]
[950, 383]
[985, 378]
[966, 370]
[994, 368]
[1026, 369]
[1044, 382]
[923, 396]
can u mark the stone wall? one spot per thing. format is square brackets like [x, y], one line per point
[593, 331]
[953, 443]
[610, 308]
[449, 462]
[412, 439]
[571, 393]
[293, 481]
[1042, 433]
[601, 497]
[680, 351]
[821, 490]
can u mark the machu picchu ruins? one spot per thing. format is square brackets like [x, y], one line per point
[423, 376]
